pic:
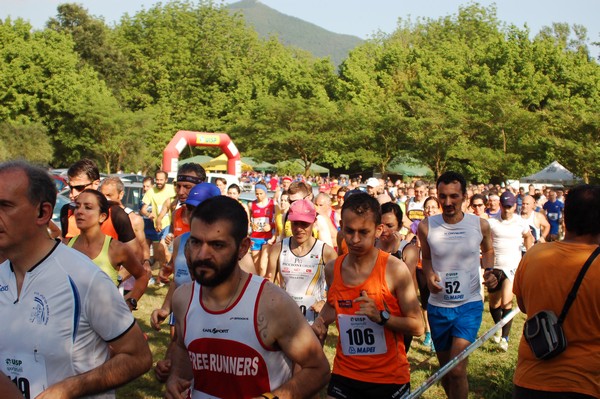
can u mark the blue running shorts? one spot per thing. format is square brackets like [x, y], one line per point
[257, 243]
[461, 322]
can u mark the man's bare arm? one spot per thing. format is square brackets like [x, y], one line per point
[181, 369]
[432, 278]
[544, 227]
[487, 254]
[284, 326]
[273, 264]
[130, 358]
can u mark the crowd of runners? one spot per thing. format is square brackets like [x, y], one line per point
[254, 287]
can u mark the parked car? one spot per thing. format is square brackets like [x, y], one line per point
[134, 192]
[59, 181]
[132, 177]
[61, 201]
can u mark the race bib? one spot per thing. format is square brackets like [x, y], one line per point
[260, 223]
[305, 302]
[552, 216]
[28, 372]
[360, 336]
[454, 285]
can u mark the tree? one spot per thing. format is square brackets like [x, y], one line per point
[24, 140]
[290, 128]
[94, 43]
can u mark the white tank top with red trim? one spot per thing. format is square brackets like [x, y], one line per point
[229, 360]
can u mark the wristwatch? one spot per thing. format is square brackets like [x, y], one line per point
[385, 316]
[132, 302]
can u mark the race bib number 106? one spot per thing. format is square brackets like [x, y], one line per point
[360, 336]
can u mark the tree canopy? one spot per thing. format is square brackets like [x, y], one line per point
[464, 92]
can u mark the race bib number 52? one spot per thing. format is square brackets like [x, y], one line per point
[454, 285]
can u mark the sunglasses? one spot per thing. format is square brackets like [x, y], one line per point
[80, 187]
[478, 205]
[292, 201]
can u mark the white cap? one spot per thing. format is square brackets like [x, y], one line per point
[372, 182]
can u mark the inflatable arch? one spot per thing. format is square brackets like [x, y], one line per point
[201, 139]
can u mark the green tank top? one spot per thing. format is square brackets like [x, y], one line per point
[102, 260]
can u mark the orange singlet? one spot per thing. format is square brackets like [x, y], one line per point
[365, 350]
[107, 227]
[179, 225]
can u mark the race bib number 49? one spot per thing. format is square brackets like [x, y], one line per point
[28, 372]
[360, 336]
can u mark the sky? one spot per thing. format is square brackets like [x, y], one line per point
[361, 18]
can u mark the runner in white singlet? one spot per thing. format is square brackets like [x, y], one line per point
[508, 232]
[298, 261]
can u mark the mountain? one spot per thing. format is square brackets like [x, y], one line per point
[295, 32]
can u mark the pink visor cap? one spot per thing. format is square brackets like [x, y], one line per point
[302, 211]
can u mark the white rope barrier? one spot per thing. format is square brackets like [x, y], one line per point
[461, 356]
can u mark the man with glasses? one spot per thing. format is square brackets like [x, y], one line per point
[508, 232]
[477, 204]
[84, 174]
[414, 205]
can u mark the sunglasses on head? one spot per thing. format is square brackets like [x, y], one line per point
[292, 201]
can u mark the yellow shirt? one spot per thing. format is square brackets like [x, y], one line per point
[157, 198]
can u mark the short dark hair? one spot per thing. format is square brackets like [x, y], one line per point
[478, 196]
[224, 208]
[41, 187]
[102, 201]
[192, 167]
[148, 178]
[85, 167]
[451, 177]
[582, 210]
[234, 187]
[392, 207]
[361, 204]
[158, 172]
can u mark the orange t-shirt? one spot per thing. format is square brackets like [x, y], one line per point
[390, 365]
[543, 280]
[179, 225]
[107, 227]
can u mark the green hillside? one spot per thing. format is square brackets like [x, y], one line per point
[296, 32]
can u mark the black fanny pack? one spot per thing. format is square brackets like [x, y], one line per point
[545, 335]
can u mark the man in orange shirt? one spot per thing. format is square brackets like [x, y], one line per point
[373, 301]
[551, 268]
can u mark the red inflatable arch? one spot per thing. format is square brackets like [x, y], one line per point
[185, 137]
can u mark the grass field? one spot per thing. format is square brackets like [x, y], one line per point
[490, 370]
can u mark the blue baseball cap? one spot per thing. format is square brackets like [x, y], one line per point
[201, 192]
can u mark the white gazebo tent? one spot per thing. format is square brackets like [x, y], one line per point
[553, 175]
